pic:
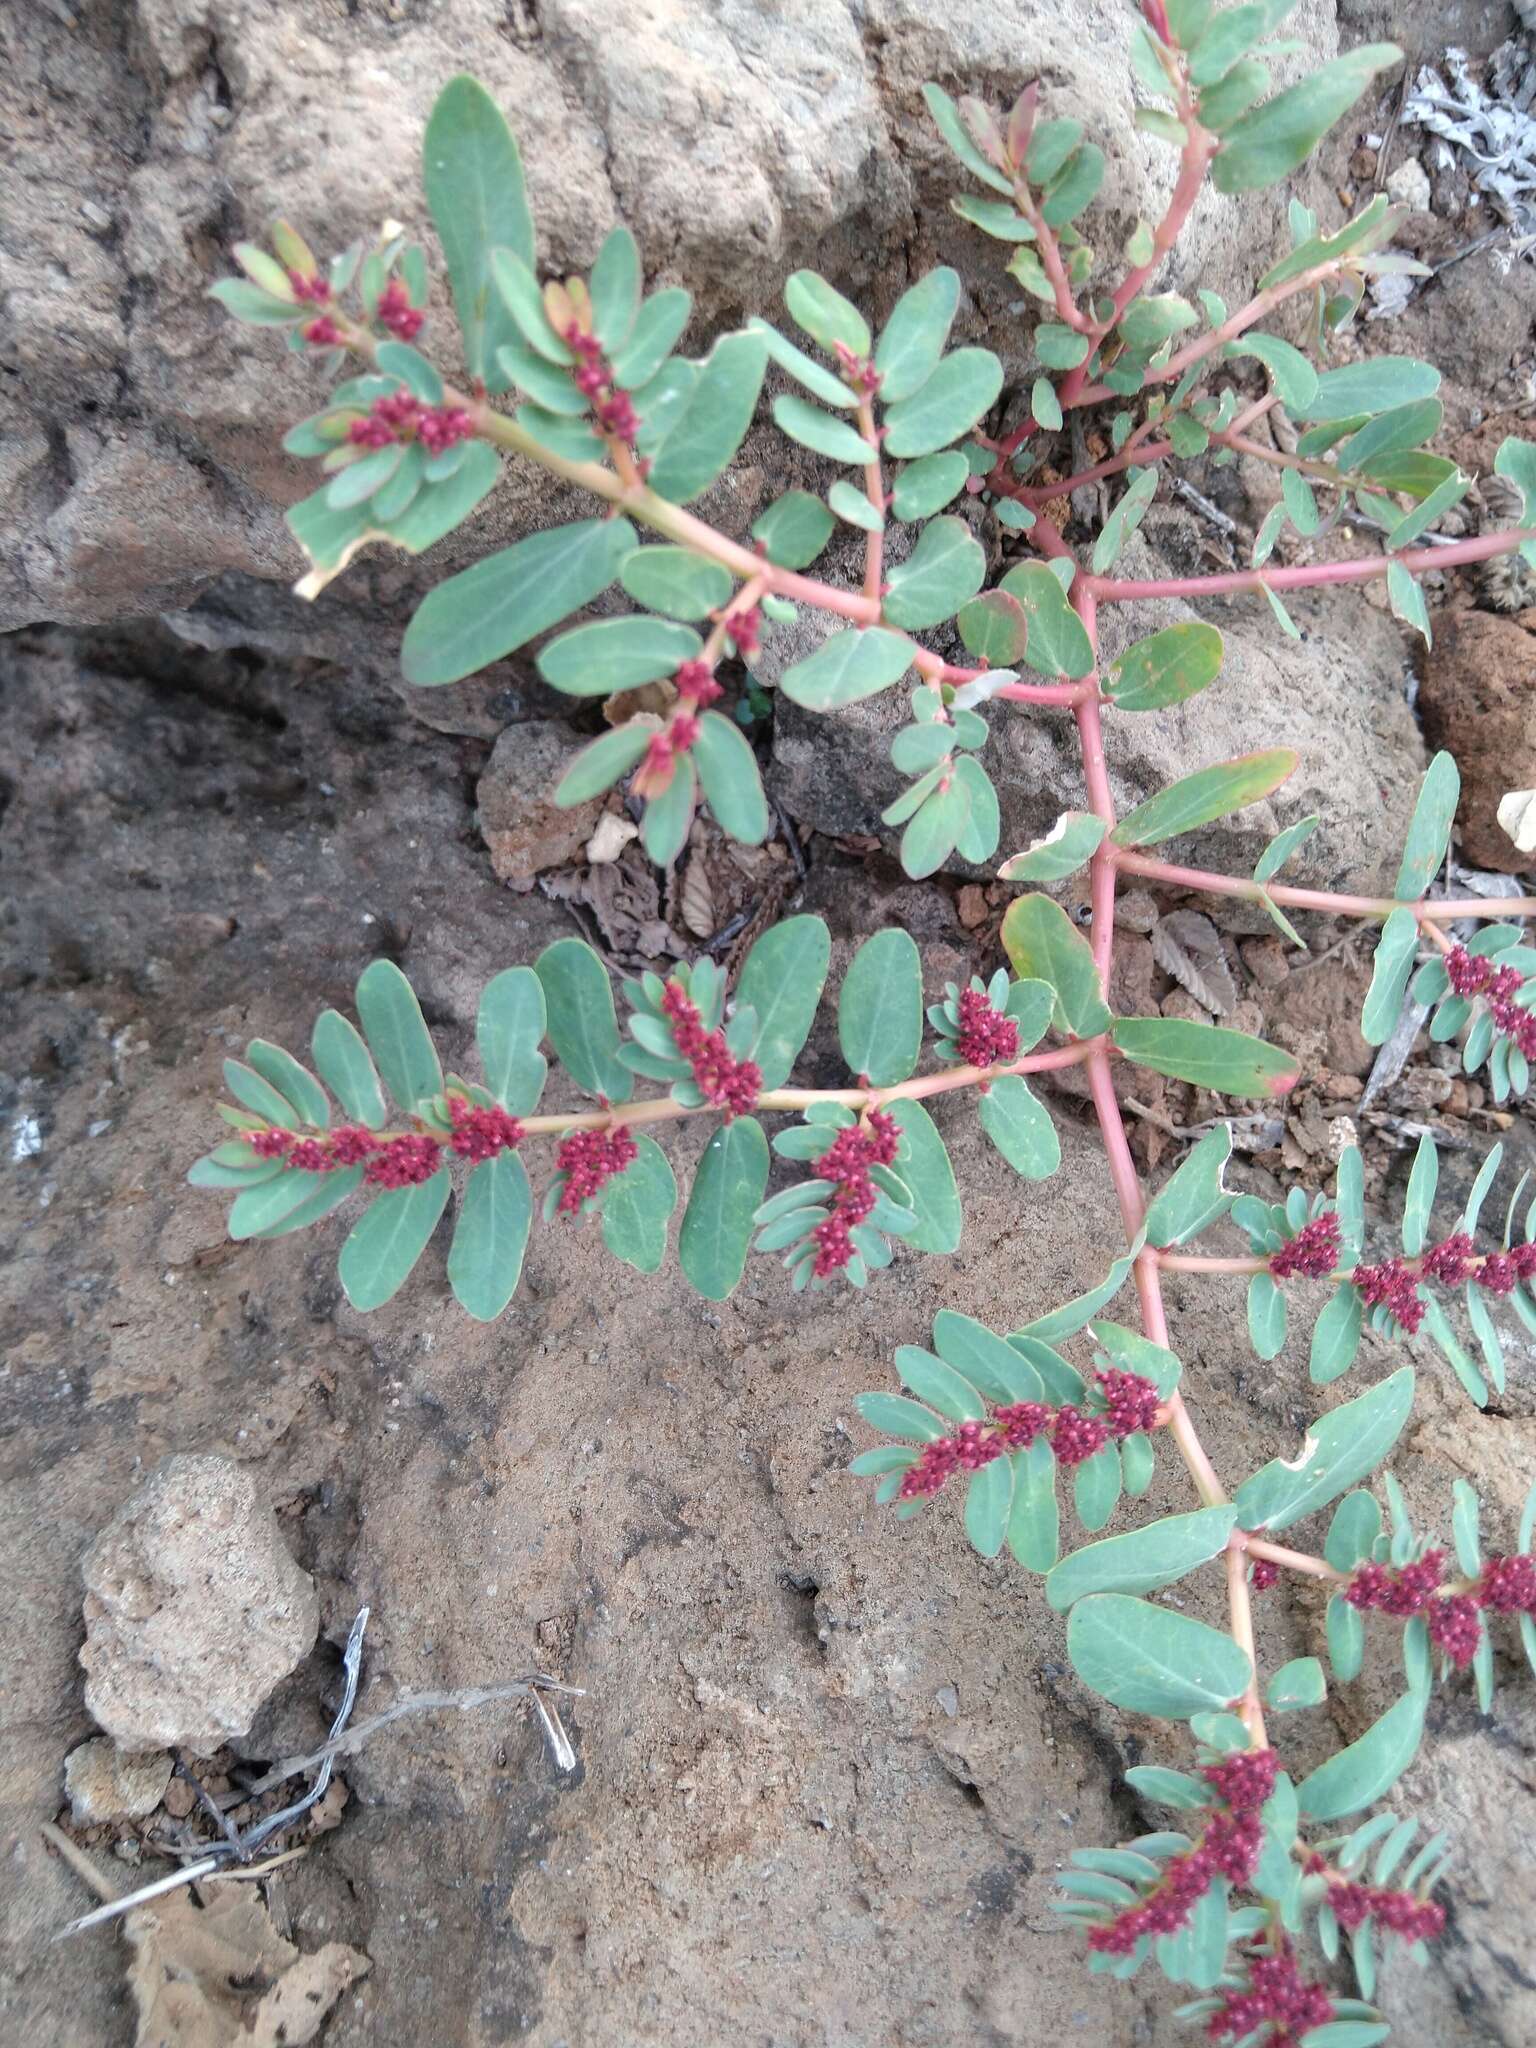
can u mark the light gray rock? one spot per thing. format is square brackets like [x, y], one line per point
[194, 1609]
[105, 1783]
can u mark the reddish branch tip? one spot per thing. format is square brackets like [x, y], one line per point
[730, 1084]
[1130, 1404]
[1392, 1286]
[847, 1161]
[1312, 1253]
[401, 416]
[396, 312]
[986, 1037]
[1400, 1913]
[1228, 1846]
[696, 685]
[611, 407]
[399, 1162]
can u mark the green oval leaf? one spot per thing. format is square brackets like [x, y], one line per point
[485, 612]
[675, 581]
[851, 665]
[1297, 1684]
[657, 328]
[1209, 793]
[508, 1029]
[1394, 958]
[472, 170]
[714, 420]
[616, 654]
[820, 431]
[397, 1034]
[615, 289]
[793, 530]
[256, 1210]
[781, 982]
[1166, 667]
[1194, 1196]
[1143, 1559]
[1341, 1447]
[898, 1416]
[880, 1009]
[927, 486]
[988, 1504]
[583, 1027]
[1229, 1061]
[1367, 1769]
[1034, 1523]
[1044, 945]
[728, 774]
[636, 1206]
[1277, 137]
[602, 763]
[824, 314]
[944, 569]
[930, 1180]
[388, 1239]
[1153, 1660]
[485, 1259]
[1057, 643]
[1020, 1128]
[1374, 385]
[946, 406]
[346, 1069]
[297, 1084]
[1071, 841]
[717, 1224]
[1429, 830]
[912, 340]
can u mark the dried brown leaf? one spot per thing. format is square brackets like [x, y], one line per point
[1188, 946]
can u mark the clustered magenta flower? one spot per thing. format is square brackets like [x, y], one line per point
[1508, 1585]
[1263, 1574]
[695, 685]
[1276, 1997]
[746, 628]
[1454, 1620]
[399, 1162]
[589, 1160]
[401, 416]
[1394, 1286]
[1228, 1846]
[313, 290]
[858, 372]
[1474, 974]
[612, 408]
[1399, 1913]
[1312, 1253]
[322, 333]
[1403, 1592]
[1131, 1404]
[731, 1084]
[396, 312]
[986, 1037]
[847, 1161]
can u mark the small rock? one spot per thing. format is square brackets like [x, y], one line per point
[194, 1610]
[106, 1783]
[519, 819]
[1265, 960]
[1409, 185]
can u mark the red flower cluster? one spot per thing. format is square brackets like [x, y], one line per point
[401, 416]
[398, 1162]
[481, 1133]
[589, 1160]
[311, 291]
[847, 1161]
[1131, 1404]
[1473, 974]
[1392, 1285]
[1400, 1913]
[1401, 1593]
[611, 408]
[1263, 1574]
[746, 628]
[1312, 1253]
[729, 1083]
[396, 312]
[1508, 1585]
[696, 685]
[659, 762]
[322, 333]
[1276, 1996]
[1228, 1847]
[986, 1037]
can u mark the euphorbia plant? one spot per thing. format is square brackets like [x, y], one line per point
[580, 377]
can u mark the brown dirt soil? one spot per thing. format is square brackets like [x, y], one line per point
[829, 1764]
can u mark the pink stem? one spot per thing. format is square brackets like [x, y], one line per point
[1199, 1262]
[1442, 909]
[1118, 590]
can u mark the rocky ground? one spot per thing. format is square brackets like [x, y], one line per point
[827, 1765]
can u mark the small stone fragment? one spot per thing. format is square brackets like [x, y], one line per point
[106, 1783]
[194, 1610]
